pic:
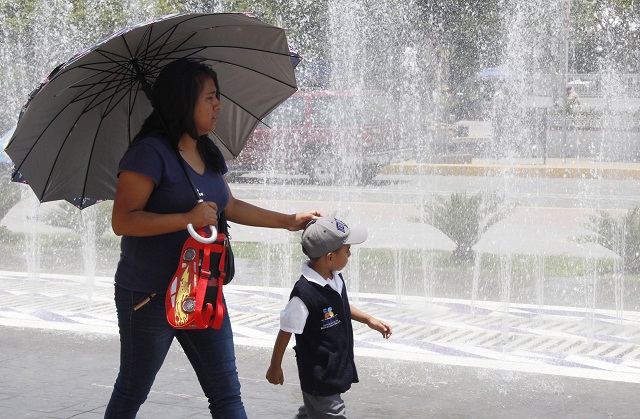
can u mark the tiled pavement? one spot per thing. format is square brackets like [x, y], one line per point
[560, 341]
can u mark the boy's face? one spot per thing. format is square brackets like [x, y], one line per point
[340, 257]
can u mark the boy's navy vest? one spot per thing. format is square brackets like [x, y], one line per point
[324, 350]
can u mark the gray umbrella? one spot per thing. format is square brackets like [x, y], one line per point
[79, 122]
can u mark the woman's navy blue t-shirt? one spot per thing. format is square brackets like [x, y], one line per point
[147, 264]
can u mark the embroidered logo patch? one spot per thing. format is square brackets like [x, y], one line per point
[330, 318]
[339, 225]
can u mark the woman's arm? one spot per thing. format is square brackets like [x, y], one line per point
[241, 212]
[130, 219]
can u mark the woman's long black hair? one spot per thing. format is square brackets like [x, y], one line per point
[174, 96]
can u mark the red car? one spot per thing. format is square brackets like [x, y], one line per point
[329, 136]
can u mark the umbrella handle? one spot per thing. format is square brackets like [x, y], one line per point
[201, 239]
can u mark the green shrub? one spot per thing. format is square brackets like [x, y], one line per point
[618, 234]
[8, 237]
[464, 219]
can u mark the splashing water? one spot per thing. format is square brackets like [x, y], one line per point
[390, 48]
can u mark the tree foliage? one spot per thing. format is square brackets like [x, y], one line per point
[469, 32]
[304, 20]
[605, 33]
[474, 34]
[618, 234]
[464, 219]
[464, 36]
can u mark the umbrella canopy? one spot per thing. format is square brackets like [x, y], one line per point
[78, 123]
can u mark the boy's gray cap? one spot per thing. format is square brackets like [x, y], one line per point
[327, 234]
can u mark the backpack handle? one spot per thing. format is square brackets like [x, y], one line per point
[202, 239]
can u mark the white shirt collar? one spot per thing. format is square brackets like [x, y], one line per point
[314, 276]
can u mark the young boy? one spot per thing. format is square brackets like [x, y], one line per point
[318, 312]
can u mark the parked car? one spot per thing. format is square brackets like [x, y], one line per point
[328, 136]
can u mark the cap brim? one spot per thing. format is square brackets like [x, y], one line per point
[357, 235]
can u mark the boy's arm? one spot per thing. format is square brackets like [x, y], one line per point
[372, 322]
[274, 373]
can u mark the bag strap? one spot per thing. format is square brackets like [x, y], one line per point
[223, 227]
[196, 192]
[217, 318]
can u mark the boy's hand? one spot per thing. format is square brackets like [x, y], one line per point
[381, 327]
[371, 321]
[275, 375]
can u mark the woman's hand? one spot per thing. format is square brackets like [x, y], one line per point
[301, 220]
[203, 214]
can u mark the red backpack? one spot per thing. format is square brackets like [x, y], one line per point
[194, 296]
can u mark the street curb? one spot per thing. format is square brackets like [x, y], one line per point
[498, 170]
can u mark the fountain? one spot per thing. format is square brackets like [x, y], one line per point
[531, 276]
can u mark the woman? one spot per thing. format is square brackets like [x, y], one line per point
[154, 202]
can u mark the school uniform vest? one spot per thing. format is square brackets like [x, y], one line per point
[324, 350]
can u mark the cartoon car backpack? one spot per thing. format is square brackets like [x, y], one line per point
[194, 297]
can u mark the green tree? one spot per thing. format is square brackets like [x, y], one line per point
[605, 33]
[618, 234]
[38, 35]
[464, 219]
[470, 32]
[304, 20]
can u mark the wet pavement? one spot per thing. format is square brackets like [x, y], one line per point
[56, 374]
[446, 359]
